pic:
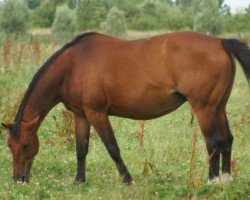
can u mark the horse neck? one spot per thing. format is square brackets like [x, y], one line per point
[44, 96]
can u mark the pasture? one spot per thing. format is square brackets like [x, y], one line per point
[167, 158]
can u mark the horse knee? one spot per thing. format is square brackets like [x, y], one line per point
[213, 145]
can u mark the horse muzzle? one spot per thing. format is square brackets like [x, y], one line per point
[23, 177]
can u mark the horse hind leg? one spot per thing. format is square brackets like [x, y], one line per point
[226, 146]
[207, 121]
[225, 133]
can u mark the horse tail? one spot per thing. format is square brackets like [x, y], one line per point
[241, 51]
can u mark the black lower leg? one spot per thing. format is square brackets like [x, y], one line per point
[81, 162]
[114, 152]
[214, 163]
[82, 143]
[226, 150]
[214, 157]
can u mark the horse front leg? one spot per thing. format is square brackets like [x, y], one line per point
[82, 128]
[103, 127]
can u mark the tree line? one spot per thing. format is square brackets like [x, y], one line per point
[116, 16]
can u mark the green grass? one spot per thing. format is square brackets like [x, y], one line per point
[166, 147]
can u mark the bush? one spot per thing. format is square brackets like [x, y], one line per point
[43, 16]
[65, 20]
[115, 23]
[146, 17]
[90, 14]
[32, 4]
[208, 18]
[13, 16]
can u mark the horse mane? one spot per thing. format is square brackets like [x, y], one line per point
[15, 129]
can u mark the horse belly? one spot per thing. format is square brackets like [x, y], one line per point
[151, 106]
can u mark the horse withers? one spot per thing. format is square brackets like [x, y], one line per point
[96, 75]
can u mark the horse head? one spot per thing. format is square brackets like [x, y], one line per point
[24, 145]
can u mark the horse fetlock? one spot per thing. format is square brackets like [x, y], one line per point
[226, 178]
[127, 179]
[214, 180]
[80, 179]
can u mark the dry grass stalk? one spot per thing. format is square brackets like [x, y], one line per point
[192, 116]
[6, 55]
[36, 46]
[146, 167]
[11, 105]
[66, 128]
[191, 184]
[140, 133]
[234, 167]
[244, 117]
[20, 56]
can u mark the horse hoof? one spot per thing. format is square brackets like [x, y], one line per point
[214, 180]
[79, 180]
[226, 178]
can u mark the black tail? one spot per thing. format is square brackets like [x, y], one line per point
[241, 51]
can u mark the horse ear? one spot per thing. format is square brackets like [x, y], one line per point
[31, 125]
[8, 125]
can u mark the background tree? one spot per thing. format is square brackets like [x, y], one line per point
[73, 4]
[43, 16]
[208, 18]
[90, 14]
[146, 16]
[115, 23]
[32, 4]
[13, 16]
[65, 20]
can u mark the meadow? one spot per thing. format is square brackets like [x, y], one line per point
[166, 156]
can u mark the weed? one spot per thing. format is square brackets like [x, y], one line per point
[192, 183]
[11, 105]
[65, 129]
[19, 57]
[243, 117]
[140, 133]
[36, 46]
[6, 55]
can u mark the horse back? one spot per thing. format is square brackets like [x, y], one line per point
[113, 74]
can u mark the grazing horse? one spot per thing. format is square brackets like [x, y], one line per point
[96, 75]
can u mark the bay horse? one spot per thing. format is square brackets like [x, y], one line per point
[96, 75]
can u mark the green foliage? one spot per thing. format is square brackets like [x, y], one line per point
[13, 16]
[115, 23]
[32, 4]
[184, 3]
[65, 20]
[174, 18]
[208, 18]
[90, 14]
[73, 4]
[240, 22]
[43, 16]
[146, 16]
[152, 15]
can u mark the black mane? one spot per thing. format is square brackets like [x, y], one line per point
[15, 129]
